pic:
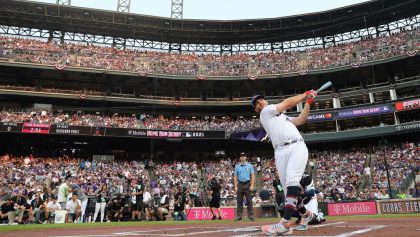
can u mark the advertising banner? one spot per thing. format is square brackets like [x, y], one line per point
[364, 111]
[70, 130]
[351, 208]
[320, 117]
[36, 128]
[407, 127]
[204, 213]
[407, 105]
[399, 206]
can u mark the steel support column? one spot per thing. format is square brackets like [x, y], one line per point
[176, 9]
[123, 6]
[64, 2]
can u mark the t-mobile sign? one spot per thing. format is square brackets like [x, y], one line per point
[204, 213]
[352, 208]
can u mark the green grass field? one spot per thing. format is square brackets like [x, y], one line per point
[169, 223]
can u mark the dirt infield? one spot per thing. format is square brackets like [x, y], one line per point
[404, 226]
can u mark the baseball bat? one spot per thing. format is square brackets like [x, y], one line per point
[325, 86]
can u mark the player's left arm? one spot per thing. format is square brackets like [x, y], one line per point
[301, 119]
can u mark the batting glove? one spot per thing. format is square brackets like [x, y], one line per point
[310, 96]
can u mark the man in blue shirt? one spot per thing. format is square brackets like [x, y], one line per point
[244, 184]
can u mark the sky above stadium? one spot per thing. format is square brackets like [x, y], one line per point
[220, 9]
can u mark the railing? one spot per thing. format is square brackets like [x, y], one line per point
[93, 93]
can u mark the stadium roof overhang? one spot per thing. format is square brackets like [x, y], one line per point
[125, 25]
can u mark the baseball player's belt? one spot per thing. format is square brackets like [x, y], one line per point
[288, 143]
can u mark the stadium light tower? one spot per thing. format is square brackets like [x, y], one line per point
[176, 9]
[58, 36]
[64, 2]
[123, 6]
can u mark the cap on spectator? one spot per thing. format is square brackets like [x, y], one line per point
[38, 190]
[255, 98]
[242, 154]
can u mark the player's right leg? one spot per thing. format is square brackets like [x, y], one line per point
[283, 227]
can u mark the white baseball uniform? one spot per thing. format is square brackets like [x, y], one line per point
[290, 159]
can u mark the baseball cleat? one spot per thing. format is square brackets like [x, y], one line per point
[276, 230]
[305, 221]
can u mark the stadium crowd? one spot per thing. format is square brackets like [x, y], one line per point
[144, 121]
[338, 174]
[93, 56]
[399, 159]
[34, 188]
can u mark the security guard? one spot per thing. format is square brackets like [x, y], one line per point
[244, 184]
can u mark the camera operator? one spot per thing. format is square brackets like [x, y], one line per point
[180, 204]
[279, 194]
[163, 209]
[115, 209]
[214, 191]
[137, 199]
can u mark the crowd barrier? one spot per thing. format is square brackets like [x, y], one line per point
[392, 206]
[398, 206]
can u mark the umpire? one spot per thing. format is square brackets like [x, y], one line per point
[244, 184]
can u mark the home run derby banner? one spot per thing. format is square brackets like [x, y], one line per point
[351, 208]
[203, 213]
[364, 111]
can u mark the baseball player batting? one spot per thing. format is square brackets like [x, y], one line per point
[291, 155]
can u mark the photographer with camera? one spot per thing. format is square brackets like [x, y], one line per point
[180, 204]
[115, 209]
[214, 192]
